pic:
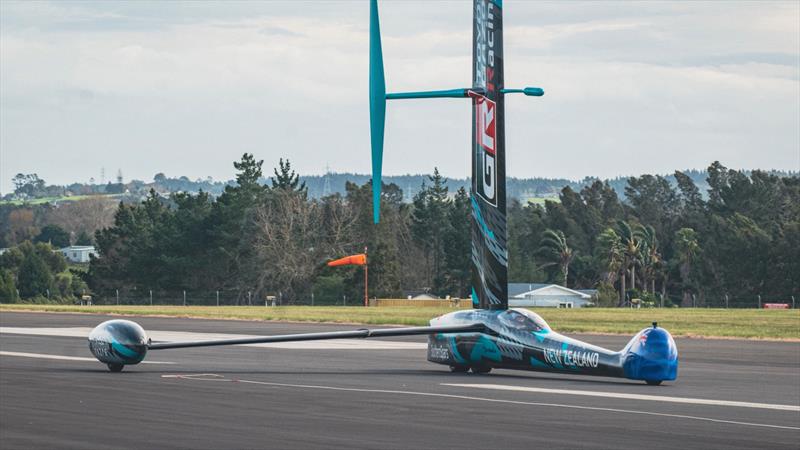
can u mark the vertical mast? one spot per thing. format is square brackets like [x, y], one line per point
[488, 193]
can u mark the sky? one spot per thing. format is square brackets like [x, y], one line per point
[185, 88]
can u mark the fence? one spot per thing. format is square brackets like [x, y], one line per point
[236, 297]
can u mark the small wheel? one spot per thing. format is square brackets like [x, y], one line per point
[653, 382]
[115, 367]
[481, 369]
[459, 369]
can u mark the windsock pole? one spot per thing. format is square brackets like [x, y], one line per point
[366, 280]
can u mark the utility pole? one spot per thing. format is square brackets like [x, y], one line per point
[217, 298]
[726, 301]
[184, 298]
[151, 297]
[249, 298]
[366, 280]
[759, 301]
[117, 290]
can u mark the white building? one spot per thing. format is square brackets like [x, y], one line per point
[78, 253]
[548, 295]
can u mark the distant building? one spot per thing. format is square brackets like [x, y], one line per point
[548, 295]
[78, 253]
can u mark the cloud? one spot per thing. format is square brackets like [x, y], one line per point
[185, 88]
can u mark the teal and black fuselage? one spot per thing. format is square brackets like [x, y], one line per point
[520, 339]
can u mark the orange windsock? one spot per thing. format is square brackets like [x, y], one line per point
[358, 260]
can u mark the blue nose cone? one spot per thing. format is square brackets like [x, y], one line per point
[651, 356]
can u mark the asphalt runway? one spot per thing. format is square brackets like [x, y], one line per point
[729, 394]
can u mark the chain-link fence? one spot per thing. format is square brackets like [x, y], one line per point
[222, 297]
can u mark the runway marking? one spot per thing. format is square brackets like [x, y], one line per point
[219, 378]
[66, 358]
[620, 395]
[169, 336]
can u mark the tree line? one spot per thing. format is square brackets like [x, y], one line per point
[662, 240]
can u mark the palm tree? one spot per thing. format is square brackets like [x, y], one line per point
[631, 252]
[609, 252]
[650, 256]
[554, 247]
[687, 248]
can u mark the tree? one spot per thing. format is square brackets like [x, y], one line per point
[557, 251]
[30, 184]
[21, 226]
[458, 245]
[687, 249]
[289, 242]
[34, 277]
[84, 239]
[286, 179]
[650, 257]
[53, 234]
[610, 255]
[88, 215]
[8, 289]
[631, 253]
[430, 224]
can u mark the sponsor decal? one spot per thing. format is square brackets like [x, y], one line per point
[486, 133]
[485, 111]
[571, 358]
[438, 352]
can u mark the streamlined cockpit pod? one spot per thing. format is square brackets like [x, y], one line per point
[118, 343]
[651, 356]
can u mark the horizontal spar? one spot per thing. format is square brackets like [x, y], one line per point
[362, 333]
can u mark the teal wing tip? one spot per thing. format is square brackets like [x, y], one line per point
[533, 91]
[377, 101]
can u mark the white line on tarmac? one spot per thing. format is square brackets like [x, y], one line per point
[220, 378]
[170, 336]
[620, 395]
[66, 358]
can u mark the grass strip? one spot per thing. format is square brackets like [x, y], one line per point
[725, 323]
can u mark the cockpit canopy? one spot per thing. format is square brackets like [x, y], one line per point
[522, 319]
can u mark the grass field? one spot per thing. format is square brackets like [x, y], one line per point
[730, 323]
[43, 200]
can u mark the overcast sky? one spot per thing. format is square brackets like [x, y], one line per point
[186, 88]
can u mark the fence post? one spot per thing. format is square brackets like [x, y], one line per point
[694, 301]
[117, 291]
[344, 301]
[48, 294]
[151, 297]
[793, 302]
[249, 298]
[759, 302]
[312, 298]
[217, 298]
[184, 298]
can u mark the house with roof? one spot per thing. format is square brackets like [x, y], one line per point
[78, 253]
[548, 295]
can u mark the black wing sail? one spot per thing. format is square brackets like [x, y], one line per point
[489, 251]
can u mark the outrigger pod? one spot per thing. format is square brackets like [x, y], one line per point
[491, 335]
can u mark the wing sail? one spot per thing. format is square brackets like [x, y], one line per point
[488, 192]
[362, 333]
